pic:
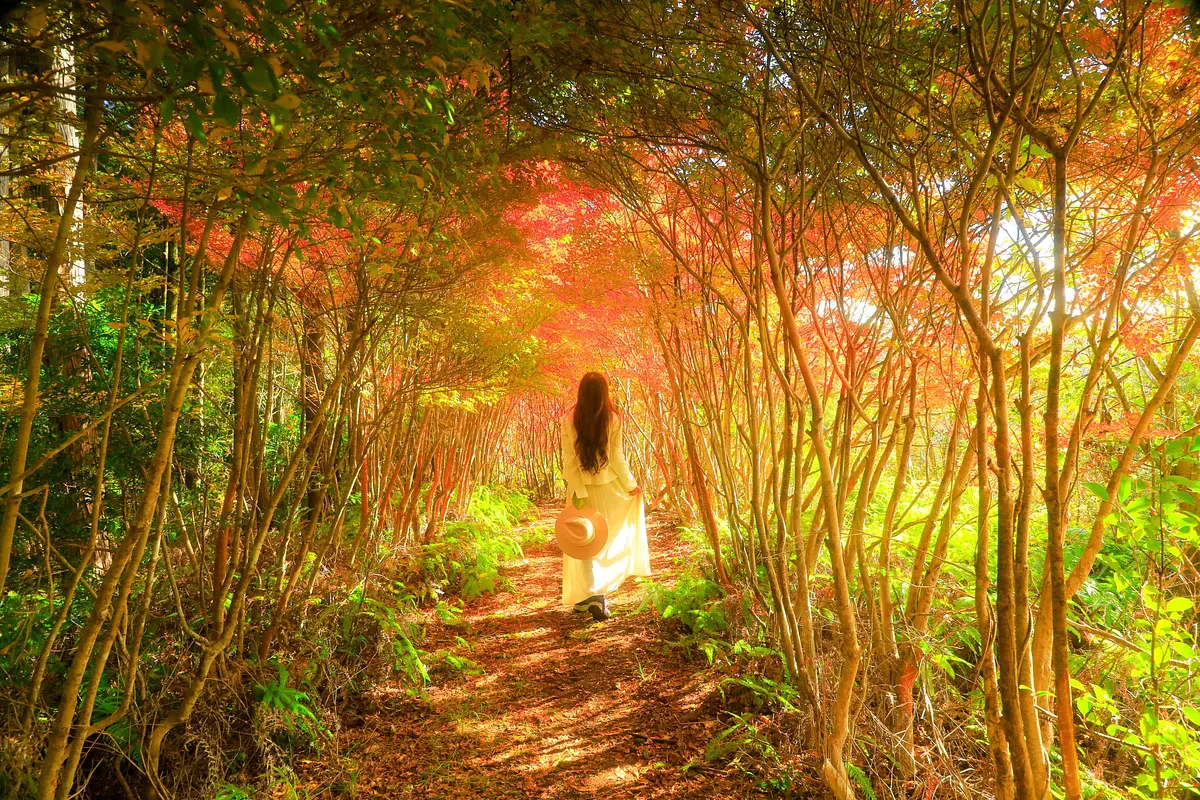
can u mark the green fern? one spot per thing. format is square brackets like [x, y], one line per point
[231, 792]
[766, 692]
[862, 780]
[292, 705]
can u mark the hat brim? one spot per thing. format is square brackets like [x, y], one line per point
[592, 546]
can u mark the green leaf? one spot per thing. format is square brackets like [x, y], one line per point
[1178, 605]
[1187, 483]
[195, 126]
[1032, 185]
[260, 78]
[1138, 504]
[1098, 489]
[226, 110]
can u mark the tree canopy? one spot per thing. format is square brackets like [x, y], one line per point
[900, 299]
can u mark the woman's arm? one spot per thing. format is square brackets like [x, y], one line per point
[616, 458]
[570, 462]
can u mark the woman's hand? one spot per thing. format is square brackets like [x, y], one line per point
[635, 491]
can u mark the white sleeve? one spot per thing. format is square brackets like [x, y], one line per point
[616, 458]
[570, 462]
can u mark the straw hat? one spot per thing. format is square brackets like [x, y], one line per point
[581, 532]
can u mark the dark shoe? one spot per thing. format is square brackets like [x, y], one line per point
[582, 606]
[599, 608]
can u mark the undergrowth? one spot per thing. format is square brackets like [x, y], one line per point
[768, 724]
[340, 644]
[467, 559]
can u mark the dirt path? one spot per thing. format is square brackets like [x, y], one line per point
[561, 707]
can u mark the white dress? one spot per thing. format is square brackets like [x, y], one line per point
[628, 551]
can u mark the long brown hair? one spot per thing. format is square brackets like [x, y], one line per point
[592, 414]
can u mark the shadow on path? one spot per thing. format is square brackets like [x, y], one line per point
[561, 708]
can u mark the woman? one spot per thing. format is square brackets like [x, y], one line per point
[599, 476]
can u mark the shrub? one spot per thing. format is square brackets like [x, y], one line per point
[695, 600]
[290, 711]
[467, 559]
